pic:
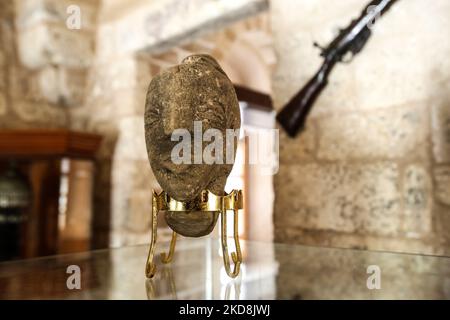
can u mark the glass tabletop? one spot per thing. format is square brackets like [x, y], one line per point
[269, 271]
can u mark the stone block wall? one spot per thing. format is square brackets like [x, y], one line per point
[115, 109]
[22, 103]
[371, 169]
[43, 62]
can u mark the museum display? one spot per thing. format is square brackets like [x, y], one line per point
[230, 156]
[195, 102]
[352, 39]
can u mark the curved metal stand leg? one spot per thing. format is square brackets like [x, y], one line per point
[235, 256]
[166, 258]
[150, 268]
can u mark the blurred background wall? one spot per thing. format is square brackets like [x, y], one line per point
[371, 170]
[23, 100]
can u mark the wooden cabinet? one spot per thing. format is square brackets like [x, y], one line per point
[59, 165]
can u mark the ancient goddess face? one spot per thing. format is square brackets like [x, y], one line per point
[195, 92]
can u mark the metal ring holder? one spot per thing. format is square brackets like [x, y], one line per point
[206, 201]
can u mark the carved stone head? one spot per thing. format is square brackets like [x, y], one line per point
[194, 96]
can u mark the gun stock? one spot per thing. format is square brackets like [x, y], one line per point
[292, 117]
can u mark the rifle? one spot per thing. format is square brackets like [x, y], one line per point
[351, 39]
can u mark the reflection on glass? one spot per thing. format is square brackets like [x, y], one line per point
[234, 287]
[269, 271]
[166, 282]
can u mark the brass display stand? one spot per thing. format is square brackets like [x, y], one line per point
[207, 202]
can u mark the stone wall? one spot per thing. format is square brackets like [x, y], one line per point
[114, 108]
[22, 102]
[371, 170]
[44, 62]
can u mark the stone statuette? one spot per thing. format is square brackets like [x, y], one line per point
[197, 90]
